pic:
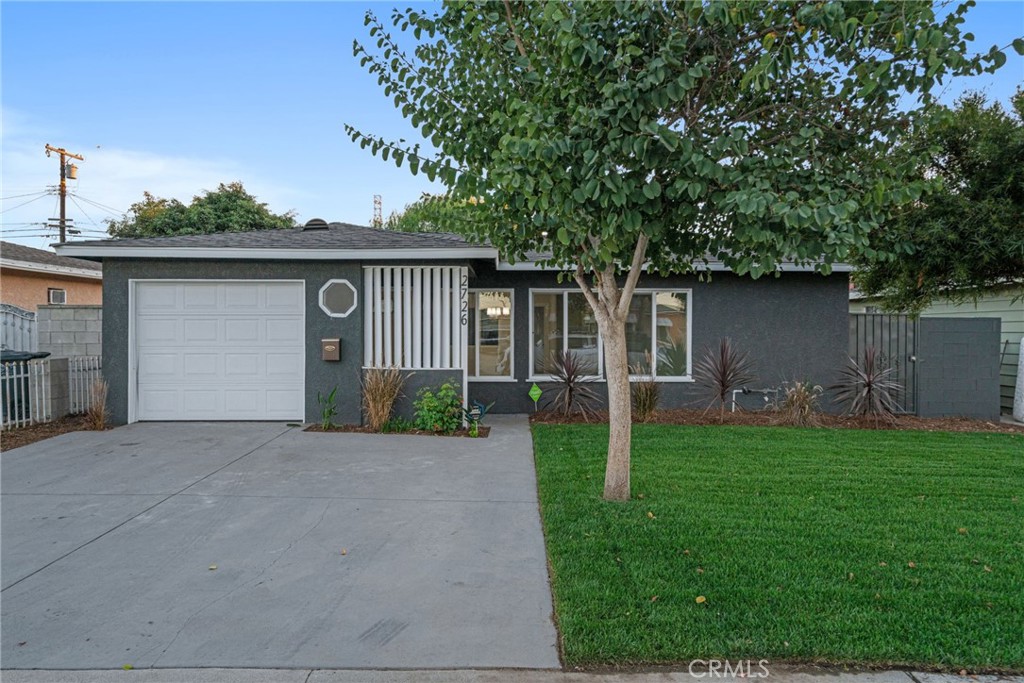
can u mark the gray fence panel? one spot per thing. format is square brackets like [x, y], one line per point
[18, 329]
[958, 367]
[896, 338]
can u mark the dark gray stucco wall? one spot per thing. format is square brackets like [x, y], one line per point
[795, 327]
[320, 375]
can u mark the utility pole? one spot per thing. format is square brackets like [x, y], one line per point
[378, 212]
[66, 170]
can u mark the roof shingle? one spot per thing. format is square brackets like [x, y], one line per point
[19, 252]
[337, 236]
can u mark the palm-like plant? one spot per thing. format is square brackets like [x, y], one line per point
[868, 388]
[573, 394]
[722, 369]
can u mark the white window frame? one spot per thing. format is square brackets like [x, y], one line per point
[564, 292]
[323, 304]
[600, 377]
[653, 292]
[511, 377]
[50, 291]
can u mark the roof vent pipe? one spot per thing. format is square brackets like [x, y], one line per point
[315, 224]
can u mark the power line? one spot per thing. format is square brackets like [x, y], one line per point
[27, 194]
[108, 209]
[83, 211]
[12, 208]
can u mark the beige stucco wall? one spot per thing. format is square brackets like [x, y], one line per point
[29, 290]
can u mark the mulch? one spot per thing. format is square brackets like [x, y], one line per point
[23, 436]
[768, 419]
[483, 432]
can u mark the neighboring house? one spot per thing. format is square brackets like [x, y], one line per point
[30, 278]
[252, 326]
[1006, 303]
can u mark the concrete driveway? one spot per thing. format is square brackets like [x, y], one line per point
[330, 550]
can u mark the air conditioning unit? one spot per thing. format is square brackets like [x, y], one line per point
[58, 296]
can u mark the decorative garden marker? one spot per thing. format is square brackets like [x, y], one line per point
[535, 393]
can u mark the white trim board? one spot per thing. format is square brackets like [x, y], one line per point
[282, 254]
[51, 269]
[412, 253]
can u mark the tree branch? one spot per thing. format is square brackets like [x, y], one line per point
[515, 36]
[588, 293]
[634, 274]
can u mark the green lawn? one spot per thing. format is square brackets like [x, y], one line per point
[800, 540]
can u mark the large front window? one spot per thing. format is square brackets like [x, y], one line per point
[657, 332]
[563, 321]
[490, 334]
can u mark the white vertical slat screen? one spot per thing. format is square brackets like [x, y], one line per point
[415, 317]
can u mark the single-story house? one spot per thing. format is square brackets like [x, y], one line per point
[253, 326]
[1005, 302]
[30, 278]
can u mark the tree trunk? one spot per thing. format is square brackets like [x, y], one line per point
[611, 308]
[616, 363]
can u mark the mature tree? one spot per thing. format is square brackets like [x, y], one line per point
[969, 233]
[433, 213]
[227, 209]
[619, 135]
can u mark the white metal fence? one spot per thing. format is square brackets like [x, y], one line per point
[83, 372]
[18, 329]
[24, 390]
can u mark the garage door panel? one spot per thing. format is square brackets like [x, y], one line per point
[152, 330]
[157, 297]
[195, 330]
[201, 297]
[241, 296]
[246, 365]
[283, 364]
[220, 350]
[242, 330]
[158, 365]
[279, 401]
[283, 298]
[201, 364]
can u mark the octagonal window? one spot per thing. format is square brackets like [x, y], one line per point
[338, 298]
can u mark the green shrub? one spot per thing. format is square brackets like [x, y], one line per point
[397, 425]
[438, 410]
[328, 408]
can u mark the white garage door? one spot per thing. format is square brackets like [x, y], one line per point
[219, 350]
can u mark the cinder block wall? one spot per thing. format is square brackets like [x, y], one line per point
[67, 331]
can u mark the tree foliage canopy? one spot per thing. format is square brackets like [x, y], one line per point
[434, 213]
[615, 136]
[227, 209]
[749, 132]
[969, 233]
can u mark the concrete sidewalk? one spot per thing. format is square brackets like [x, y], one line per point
[779, 674]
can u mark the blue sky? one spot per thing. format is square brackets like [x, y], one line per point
[176, 97]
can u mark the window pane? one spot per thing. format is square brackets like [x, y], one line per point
[638, 333]
[494, 313]
[548, 324]
[471, 335]
[672, 341]
[583, 340]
